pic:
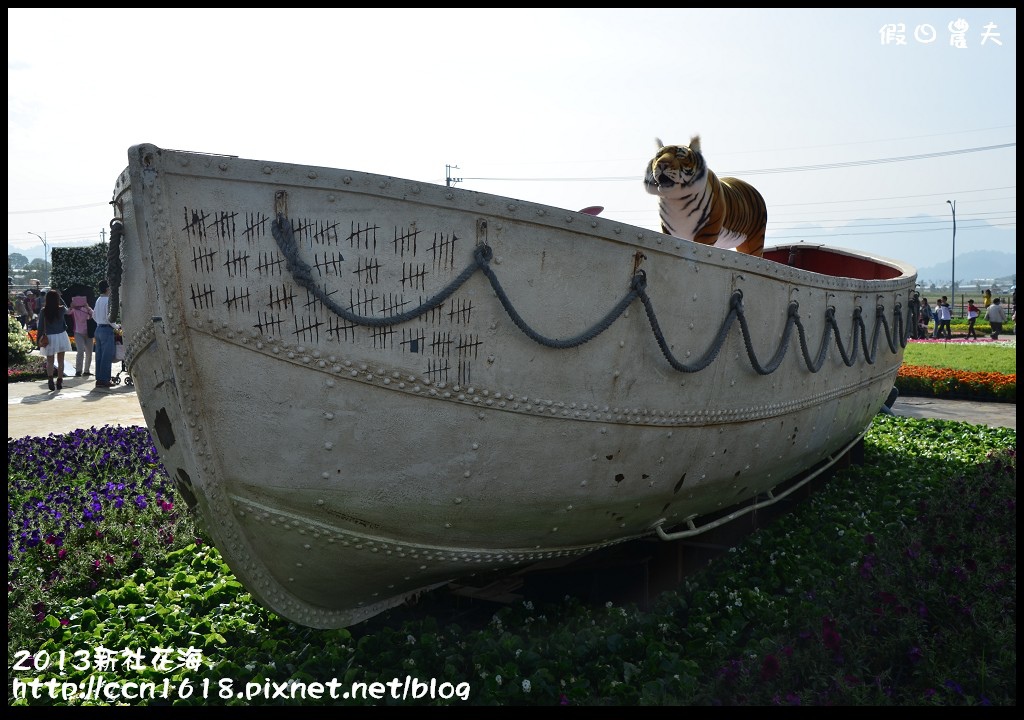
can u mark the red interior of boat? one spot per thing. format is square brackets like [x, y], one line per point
[827, 262]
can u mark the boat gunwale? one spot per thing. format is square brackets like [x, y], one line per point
[414, 192]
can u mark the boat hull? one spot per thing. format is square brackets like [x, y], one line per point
[370, 386]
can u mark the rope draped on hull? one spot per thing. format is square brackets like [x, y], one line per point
[482, 255]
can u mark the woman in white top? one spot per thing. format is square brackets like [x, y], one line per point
[972, 317]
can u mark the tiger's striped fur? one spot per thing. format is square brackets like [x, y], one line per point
[696, 205]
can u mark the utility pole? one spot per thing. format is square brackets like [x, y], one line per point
[448, 175]
[46, 254]
[952, 284]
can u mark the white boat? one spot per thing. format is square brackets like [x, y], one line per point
[370, 386]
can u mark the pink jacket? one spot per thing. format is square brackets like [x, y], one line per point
[81, 312]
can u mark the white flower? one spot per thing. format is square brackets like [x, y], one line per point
[410, 640]
[528, 604]
[526, 686]
[497, 679]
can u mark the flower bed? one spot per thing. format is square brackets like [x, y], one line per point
[956, 384]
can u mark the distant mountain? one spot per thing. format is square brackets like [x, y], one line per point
[983, 266]
[983, 251]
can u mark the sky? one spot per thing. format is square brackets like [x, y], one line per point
[857, 126]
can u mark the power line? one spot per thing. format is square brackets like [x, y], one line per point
[764, 171]
[896, 197]
[884, 140]
[58, 209]
[862, 213]
[878, 161]
[878, 232]
[964, 224]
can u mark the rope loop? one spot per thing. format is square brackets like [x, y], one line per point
[736, 301]
[639, 281]
[114, 269]
[483, 254]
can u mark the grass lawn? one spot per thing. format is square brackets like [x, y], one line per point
[981, 357]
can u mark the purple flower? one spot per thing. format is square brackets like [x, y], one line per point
[867, 567]
[829, 636]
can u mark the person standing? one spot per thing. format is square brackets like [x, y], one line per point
[943, 316]
[926, 317]
[53, 324]
[996, 316]
[21, 309]
[987, 298]
[972, 317]
[104, 336]
[30, 307]
[81, 313]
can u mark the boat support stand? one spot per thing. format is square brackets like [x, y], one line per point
[772, 498]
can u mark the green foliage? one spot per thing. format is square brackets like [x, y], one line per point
[958, 326]
[79, 265]
[19, 345]
[893, 584]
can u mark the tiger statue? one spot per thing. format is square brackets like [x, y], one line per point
[695, 204]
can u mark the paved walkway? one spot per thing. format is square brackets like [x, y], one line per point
[33, 410]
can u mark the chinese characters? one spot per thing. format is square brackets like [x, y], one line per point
[925, 34]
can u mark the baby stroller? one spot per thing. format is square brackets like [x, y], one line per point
[116, 379]
[119, 355]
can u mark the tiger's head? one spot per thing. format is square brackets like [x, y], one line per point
[674, 168]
